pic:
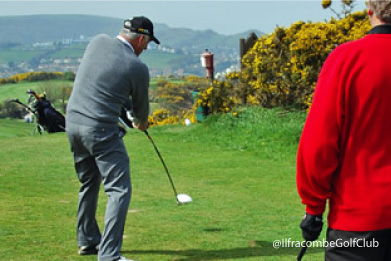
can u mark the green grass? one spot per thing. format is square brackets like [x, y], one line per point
[18, 90]
[153, 84]
[9, 91]
[153, 106]
[15, 128]
[160, 60]
[18, 56]
[75, 52]
[244, 198]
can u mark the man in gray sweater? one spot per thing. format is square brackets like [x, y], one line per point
[110, 77]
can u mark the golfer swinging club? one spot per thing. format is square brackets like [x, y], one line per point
[344, 155]
[108, 76]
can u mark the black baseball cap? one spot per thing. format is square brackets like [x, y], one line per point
[141, 25]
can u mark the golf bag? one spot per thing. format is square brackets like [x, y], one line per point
[47, 118]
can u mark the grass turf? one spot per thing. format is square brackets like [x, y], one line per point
[240, 173]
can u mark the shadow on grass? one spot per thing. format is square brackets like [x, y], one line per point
[257, 249]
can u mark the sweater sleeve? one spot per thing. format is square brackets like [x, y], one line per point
[319, 149]
[140, 98]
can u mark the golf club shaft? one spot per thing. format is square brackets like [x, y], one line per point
[24, 105]
[164, 165]
[302, 252]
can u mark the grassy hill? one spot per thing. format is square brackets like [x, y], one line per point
[153, 58]
[17, 56]
[51, 37]
[45, 28]
[18, 90]
[53, 88]
[244, 197]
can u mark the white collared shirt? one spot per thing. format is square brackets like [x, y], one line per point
[122, 39]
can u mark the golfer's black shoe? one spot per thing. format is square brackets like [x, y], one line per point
[88, 250]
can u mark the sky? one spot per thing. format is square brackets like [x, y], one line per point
[224, 17]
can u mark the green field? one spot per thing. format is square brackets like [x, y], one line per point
[239, 171]
[75, 51]
[18, 56]
[153, 58]
[159, 60]
[18, 90]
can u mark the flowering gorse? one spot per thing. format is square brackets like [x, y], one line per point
[282, 68]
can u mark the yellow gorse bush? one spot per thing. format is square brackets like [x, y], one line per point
[176, 102]
[31, 77]
[282, 67]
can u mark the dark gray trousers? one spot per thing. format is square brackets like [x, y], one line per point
[359, 246]
[100, 155]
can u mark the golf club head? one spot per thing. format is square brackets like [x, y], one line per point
[183, 199]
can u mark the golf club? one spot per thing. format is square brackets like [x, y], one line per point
[21, 103]
[180, 198]
[302, 252]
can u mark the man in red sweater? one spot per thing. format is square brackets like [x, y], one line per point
[344, 154]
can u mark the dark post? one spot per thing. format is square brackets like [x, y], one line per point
[246, 44]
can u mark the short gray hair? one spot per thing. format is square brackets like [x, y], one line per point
[382, 9]
[129, 34]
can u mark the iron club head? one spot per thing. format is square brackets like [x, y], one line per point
[183, 199]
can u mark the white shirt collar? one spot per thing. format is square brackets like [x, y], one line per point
[122, 39]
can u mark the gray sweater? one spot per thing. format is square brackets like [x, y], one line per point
[109, 73]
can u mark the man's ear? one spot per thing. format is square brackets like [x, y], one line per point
[141, 39]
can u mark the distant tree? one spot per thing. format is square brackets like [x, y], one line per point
[69, 76]
[11, 110]
[56, 92]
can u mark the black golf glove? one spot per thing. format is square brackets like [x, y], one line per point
[311, 226]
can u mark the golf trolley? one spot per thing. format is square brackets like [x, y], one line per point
[47, 118]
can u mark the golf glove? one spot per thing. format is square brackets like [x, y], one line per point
[311, 226]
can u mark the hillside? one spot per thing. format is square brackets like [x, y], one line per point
[57, 42]
[51, 28]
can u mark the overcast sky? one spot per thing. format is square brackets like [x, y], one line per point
[225, 17]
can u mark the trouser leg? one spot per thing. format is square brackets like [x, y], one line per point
[113, 164]
[88, 233]
[358, 246]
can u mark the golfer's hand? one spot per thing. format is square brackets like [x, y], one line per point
[142, 126]
[311, 226]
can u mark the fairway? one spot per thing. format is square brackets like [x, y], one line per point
[244, 198]
[18, 90]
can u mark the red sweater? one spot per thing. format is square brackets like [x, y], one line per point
[344, 154]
